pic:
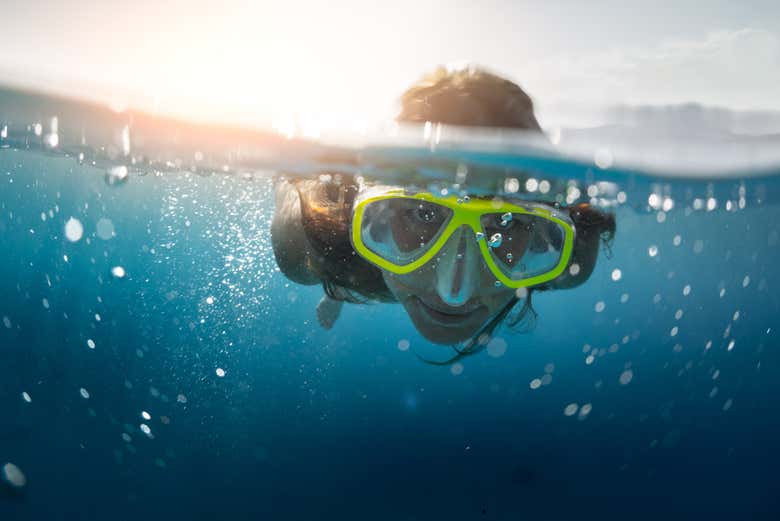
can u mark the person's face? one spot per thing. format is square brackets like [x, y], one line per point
[454, 294]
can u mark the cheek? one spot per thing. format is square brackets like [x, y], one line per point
[418, 282]
[496, 301]
[397, 289]
[392, 285]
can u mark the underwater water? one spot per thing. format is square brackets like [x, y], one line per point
[155, 363]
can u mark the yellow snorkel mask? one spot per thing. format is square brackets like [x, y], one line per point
[523, 243]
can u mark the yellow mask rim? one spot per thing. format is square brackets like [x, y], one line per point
[465, 212]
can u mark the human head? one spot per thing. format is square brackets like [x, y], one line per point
[320, 211]
[450, 298]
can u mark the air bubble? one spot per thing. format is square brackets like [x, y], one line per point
[116, 176]
[105, 229]
[74, 230]
[511, 185]
[13, 476]
[496, 348]
[654, 200]
[603, 158]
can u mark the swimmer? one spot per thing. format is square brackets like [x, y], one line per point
[459, 268]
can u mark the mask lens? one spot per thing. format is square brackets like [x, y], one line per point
[523, 245]
[401, 230]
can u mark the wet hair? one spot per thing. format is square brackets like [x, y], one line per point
[469, 97]
[310, 239]
[465, 97]
[326, 213]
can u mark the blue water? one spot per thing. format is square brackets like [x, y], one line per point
[252, 411]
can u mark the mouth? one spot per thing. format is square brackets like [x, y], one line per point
[450, 317]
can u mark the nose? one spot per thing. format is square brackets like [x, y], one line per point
[457, 268]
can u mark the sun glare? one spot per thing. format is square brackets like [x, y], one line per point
[287, 73]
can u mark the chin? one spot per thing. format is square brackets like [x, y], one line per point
[444, 335]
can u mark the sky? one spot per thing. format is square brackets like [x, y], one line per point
[258, 62]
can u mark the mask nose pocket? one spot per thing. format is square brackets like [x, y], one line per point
[457, 267]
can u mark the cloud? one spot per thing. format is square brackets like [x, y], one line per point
[730, 68]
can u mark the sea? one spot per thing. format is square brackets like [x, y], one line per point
[155, 363]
